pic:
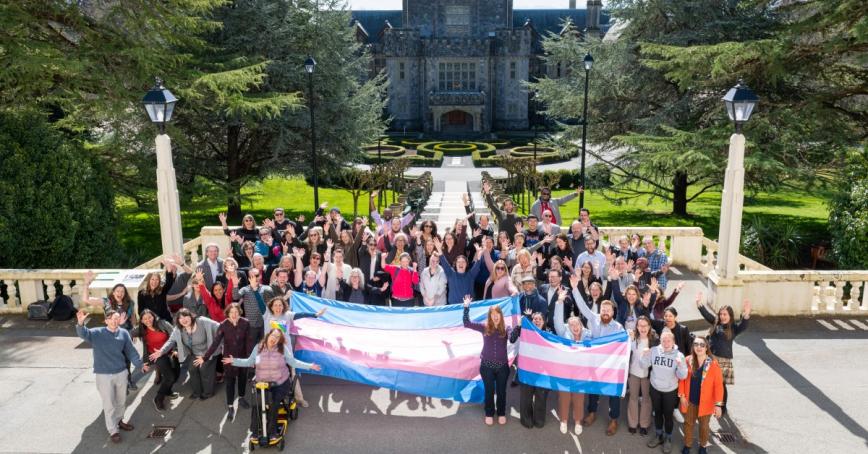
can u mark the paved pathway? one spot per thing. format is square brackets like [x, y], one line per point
[801, 387]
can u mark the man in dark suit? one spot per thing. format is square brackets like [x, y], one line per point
[557, 320]
[369, 261]
[212, 265]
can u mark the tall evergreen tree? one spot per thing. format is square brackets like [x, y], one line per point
[655, 94]
[241, 125]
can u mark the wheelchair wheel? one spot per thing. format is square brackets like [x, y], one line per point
[293, 414]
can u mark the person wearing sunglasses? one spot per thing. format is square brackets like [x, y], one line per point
[281, 224]
[499, 284]
[248, 230]
[545, 202]
[700, 394]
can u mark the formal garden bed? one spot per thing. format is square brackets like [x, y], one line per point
[375, 154]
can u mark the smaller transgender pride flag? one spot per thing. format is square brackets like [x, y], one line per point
[597, 366]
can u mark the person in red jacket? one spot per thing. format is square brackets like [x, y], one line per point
[404, 278]
[218, 299]
[701, 394]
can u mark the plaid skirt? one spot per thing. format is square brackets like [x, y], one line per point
[727, 370]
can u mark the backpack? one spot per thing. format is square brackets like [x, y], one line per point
[62, 308]
[38, 310]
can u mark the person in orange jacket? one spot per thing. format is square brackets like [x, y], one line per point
[701, 394]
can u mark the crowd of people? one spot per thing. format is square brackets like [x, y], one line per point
[217, 321]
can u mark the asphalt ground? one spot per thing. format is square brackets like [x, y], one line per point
[802, 386]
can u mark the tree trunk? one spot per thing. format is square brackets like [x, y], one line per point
[356, 196]
[233, 176]
[679, 194]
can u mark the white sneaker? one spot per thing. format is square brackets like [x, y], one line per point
[578, 428]
[678, 416]
[564, 427]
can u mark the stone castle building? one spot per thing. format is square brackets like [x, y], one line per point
[458, 66]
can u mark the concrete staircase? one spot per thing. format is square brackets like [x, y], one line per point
[445, 206]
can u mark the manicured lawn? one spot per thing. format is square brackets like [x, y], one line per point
[139, 231]
[807, 212]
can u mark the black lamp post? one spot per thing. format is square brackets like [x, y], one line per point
[589, 62]
[740, 102]
[159, 103]
[379, 149]
[309, 66]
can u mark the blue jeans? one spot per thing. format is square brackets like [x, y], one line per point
[614, 405]
[494, 380]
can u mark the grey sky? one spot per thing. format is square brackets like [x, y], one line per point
[517, 4]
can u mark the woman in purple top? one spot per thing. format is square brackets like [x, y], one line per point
[494, 364]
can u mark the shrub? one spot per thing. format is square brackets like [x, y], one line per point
[775, 245]
[485, 158]
[848, 214]
[544, 155]
[384, 150]
[455, 147]
[54, 187]
[598, 176]
[413, 143]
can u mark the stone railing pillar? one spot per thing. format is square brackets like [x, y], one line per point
[29, 291]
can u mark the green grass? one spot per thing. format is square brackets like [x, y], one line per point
[808, 212]
[139, 231]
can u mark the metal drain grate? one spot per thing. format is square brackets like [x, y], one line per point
[727, 437]
[161, 431]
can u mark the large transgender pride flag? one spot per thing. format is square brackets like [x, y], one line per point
[597, 366]
[424, 350]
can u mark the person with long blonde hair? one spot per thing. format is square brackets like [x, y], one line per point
[494, 362]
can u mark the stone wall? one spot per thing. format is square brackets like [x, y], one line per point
[430, 17]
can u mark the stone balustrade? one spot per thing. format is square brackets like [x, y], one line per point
[709, 259]
[191, 249]
[23, 287]
[795, 292]
[685, 243]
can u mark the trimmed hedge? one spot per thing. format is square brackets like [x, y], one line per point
[385, 150]
[455, 148]
[544, 155]
[597, 176]
[485, 158]
[413, 143]
[422, 158]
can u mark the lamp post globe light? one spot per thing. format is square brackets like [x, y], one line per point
[160, 104]
[309, 67]
[588, 62]
[740, 102]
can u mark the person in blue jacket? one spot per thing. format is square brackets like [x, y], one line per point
[460, 278]
[112, 348]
